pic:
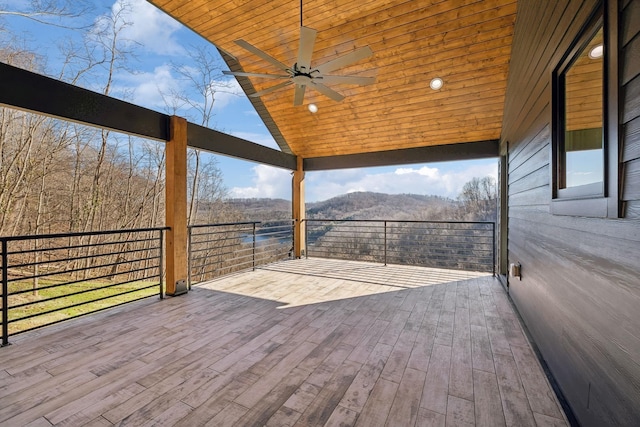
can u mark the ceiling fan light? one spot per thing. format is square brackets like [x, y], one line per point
[313, 108]
[436, 83]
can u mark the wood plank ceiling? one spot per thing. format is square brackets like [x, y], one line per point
[467, 43]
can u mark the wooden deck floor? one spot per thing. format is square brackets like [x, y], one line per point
[305, 343]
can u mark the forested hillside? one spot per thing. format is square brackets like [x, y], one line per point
[367, 205]
[260, 209]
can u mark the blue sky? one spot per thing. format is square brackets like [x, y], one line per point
[158, 42]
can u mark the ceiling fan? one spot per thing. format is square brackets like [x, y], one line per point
[302, 74]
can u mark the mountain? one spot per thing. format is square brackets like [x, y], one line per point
[368, 205]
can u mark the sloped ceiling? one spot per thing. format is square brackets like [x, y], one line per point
[467, 43]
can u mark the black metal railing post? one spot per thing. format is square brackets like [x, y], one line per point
[385, 243]
[161, 264]
[253, 249]
[493, 246]
[5, 295]
[292, 230]
[306, 239]
[188, 257]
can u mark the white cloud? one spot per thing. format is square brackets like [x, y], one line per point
[149, 26]
[424, 171]
[155, 89]
[226, 92]
[268, 182]
[147, 88]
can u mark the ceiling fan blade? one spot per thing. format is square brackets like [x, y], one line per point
[344, 60]
[298, 96]
[251, 48]
[307, 40]
[348, 80]
[266, 76]
[271, 89]
[328, 92]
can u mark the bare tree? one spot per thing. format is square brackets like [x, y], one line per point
[110, 53]
[23, 143]
[56, 13]
[479, 199]
[201, 82]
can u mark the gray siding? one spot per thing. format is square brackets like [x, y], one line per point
[630, 70]
[580, 288]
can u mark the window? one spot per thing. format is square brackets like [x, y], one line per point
[583, 139]
[581, 154]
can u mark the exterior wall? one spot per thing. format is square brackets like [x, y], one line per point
[580, 288]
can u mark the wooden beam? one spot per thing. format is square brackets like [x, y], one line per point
[440, 153]
[299, 211]
[176, 207]
[211, 140]
[35, 93]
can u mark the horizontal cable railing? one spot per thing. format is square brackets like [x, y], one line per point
[219, 249]
[440, 244]
[50, 278]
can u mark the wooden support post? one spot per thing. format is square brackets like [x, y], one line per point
[176, 207]
[298, 211]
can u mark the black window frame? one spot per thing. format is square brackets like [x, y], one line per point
[599, 199]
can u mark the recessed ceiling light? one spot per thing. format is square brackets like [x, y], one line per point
[313, 108]
[436, 83]
[596, 52]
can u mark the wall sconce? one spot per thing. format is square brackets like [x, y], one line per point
[515, 270]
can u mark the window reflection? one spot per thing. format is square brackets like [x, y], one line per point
[583, 119]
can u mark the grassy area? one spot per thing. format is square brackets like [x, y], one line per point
[37, 305]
